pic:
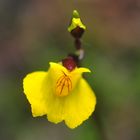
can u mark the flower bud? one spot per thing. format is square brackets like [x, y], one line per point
[76, 27]
[69, 63]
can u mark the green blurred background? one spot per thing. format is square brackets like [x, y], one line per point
[33, 33]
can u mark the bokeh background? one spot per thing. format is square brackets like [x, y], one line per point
[34, 32]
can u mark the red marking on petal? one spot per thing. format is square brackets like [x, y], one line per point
[63, 82]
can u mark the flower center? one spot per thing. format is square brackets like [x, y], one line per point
[63, 85]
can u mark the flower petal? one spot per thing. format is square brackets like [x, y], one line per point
[55, 109]
[76, 75]
[79, 105]
[80, 70]
[32, 85]
[56, 70]
[74, 108]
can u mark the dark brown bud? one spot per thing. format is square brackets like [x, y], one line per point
[69, 63]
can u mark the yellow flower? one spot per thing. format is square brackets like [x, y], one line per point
[60, 94]
[76, 22]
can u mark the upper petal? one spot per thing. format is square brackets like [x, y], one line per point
[57, 70]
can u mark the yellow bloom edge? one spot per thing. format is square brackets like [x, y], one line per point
[74, 108]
